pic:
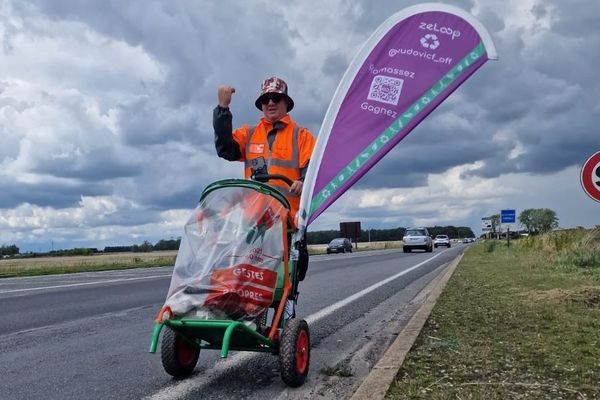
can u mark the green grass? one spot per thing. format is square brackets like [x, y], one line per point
[513, 323]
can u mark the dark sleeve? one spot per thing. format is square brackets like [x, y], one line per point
[227, 148]
[303, 172]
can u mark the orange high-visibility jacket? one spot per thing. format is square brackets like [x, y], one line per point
[290, 152]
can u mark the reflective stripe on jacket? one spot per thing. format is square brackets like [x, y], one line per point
[290, 151]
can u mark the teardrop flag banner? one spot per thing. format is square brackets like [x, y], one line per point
[410, 64]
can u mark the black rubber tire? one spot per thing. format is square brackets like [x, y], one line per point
[343, 251]
[430, 249]
[178, 356]
[294, 334]
[350, 251]
[405, 250]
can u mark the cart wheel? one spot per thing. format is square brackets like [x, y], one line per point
[179, 357]
[294, 352]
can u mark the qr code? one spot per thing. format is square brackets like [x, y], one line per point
[386, 89]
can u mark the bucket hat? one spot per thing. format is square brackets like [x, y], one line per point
[274, 85]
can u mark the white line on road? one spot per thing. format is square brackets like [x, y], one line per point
[183, 388]
[84, 284]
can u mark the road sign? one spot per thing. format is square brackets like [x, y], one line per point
[507, 216]
[486, 224]
[590, 176]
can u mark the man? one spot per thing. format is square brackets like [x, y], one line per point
[276, 145]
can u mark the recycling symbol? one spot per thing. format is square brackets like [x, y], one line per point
[430, 41]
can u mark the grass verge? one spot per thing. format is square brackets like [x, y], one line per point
[513, 323]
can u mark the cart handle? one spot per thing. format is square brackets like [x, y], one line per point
[268, 177]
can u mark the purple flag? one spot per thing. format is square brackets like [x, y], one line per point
[412, 62]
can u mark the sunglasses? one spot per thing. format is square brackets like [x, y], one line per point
[276, 97]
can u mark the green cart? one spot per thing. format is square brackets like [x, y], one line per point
[234, 284]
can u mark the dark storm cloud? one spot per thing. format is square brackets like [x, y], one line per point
[149, 146]
[200, 46]
[178, 198]
[100, 164]
[372, 16]
[47, 194]
[389, 174]
[409, 164]
[543, 103]
[147, 122]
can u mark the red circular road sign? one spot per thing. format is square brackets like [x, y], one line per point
[590, 176]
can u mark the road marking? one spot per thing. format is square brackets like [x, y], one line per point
[84, 284]
[334, 307]
[114, 280]
[184, 388]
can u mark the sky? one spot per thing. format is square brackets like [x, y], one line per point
[106, 113]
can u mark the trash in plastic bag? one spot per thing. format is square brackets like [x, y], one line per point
[229, 256]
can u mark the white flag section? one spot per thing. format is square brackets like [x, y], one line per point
[410, 64]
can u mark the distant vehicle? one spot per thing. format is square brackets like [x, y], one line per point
[441, 240]
[339, 245]
[466, 240]
[417, 238]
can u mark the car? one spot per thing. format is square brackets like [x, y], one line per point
[441, 240]
[339, 245]
[466, 240]
[417, 238]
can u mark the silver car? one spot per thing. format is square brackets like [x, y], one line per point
[441, 240]
[417, 238]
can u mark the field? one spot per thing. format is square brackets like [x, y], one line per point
[97, 262]
[518, 322]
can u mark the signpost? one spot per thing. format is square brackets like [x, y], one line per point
[508, 217]
[350, 230]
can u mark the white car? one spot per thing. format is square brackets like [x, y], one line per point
[417, 238]
[441, 240]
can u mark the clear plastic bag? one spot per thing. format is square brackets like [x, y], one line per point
[229, 256]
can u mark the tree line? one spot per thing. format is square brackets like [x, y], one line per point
[314, 237]
[146, 246]
[534, 220]
[9, 250]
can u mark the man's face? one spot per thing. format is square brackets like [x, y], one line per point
[274, 106]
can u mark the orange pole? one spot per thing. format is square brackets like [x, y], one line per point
[287, 286]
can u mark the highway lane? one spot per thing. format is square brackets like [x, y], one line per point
[86, 335]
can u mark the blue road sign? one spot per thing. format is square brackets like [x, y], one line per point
[507, 216]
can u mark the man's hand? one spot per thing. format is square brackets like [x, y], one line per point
[296, 188]
[224, 94]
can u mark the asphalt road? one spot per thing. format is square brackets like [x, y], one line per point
[86, 336]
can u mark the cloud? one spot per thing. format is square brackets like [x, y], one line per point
[106, 112]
